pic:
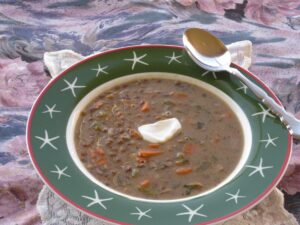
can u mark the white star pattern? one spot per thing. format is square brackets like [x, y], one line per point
[72, 86]
[243, 87]
[213, 73]
[264, 113]
[51, 110]
[60, 172]
[141, 214]
[259, 169]
[235, 196]
[191, 213]
[100, 70]
[136, 60]
[269, 141]
[47, 141]
[97, 200]
[173, 58]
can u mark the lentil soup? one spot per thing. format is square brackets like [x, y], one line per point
[198, 158]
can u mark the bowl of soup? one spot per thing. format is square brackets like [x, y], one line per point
[105, 142]
[141, 138]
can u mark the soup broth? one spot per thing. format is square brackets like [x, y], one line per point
[201, 156]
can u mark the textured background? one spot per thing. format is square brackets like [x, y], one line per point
[30, 28]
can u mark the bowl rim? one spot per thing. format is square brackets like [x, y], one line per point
[86, 211]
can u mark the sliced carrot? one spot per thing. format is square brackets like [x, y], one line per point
[189, 149]
[179, 95]
[98, 156]
[101, 151]
[153, 145]
[184, 171]
[148, 153]
[145, 107]
[97, 105]
[101, 161]
[144, 183]
[97, 152]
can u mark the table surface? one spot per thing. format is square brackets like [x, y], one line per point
[30, 28]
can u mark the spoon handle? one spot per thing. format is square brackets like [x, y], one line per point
[292, 124]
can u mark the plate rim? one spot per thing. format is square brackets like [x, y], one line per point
[44, 178]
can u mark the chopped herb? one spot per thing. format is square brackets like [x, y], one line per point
[102, 114]
[192, 186]
[134, 172]
[203, 166]
[117, 180]
[181, 162]
[200, 125]
[180, 155]
[169, 103]
[146, 191]
[196, 185]
[180, 159]
[95, 125]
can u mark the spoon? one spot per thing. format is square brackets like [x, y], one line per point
[210, 53]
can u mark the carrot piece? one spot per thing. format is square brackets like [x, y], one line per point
[97, 152]
[144, 183]
[179, 95]
[148, 153]
[98, 156]
[153, 145]
[188, 149]
[101, 162]
[145, 107]
[97, 105]
[184, 171]
[101, 151]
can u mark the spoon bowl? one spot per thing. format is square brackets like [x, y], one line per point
[208, 51]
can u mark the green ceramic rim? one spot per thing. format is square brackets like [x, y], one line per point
[46, 140]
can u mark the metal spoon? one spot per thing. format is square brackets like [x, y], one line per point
[210, 53]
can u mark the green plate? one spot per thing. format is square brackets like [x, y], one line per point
[46, 138]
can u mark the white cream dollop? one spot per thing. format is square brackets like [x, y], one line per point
[160, 131]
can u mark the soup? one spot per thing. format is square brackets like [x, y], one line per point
[198, 158]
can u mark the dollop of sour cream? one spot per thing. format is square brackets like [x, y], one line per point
[160, 131]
